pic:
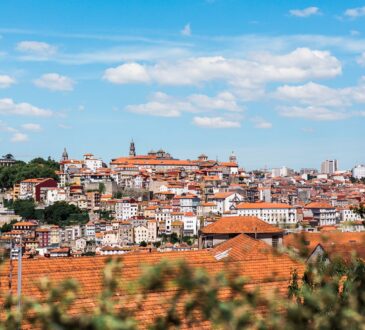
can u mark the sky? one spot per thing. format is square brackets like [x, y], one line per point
[280, 83]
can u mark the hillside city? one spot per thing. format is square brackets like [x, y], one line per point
[157, 202]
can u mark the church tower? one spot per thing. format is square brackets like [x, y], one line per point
[132, 149]
[64, 155]
[232, 158]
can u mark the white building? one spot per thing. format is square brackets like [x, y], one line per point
[140, 234]
[358, 172]
[346, 214]
[125, 209]
[92, 163]
[323, 213]
[272, 213]
[55, 195]
[226, 201]
[152, 230]
[281, 172]
[191, 224]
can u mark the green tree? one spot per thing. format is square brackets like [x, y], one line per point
[102, 188]
[64, 214]
[25, 208]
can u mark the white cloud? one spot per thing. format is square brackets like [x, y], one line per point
[186, 31]
[355, 12]
[261, 123]
[127, 73]
[215, 122]
[306, 12]
[9, 107]
[55, 82]
[32, 127]
[299, 65]
[19, 137]
[36, 49]
[6, 81]
[313, 113]
[319, 95]
[164, 105]
[6, 128]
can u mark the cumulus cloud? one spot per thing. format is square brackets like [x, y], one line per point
[319, 95]
[127, 73]
[165, 105]
[313, 113]
[6, 81]
[298, 65]
[19, 137]
[355, 12]
[186, 31]
[9, 107]
[55, 82]
[215, 122]
[261, 123]
[32, 127]
[306, 12]
[36, 49]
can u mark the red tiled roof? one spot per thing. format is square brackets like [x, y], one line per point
[239, 225]
[263, 205]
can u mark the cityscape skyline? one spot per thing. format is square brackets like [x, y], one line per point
[212, 77]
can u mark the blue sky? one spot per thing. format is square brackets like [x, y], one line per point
[278, 82]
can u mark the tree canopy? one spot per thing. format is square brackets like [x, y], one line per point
[64, 214]
[36, 168]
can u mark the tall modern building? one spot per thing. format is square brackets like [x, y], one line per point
[329, 166]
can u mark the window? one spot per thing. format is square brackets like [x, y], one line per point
[275, 241]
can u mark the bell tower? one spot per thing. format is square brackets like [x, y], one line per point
[132, 149]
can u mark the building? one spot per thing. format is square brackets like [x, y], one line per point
[323, 213]
[226, 201]
[229, 227]
[140, 234]
[32, 188]
[329, 166]
[273, 213]
[358, 172]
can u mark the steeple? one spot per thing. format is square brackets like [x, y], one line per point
[233, 158]
[64, 154]
[132, 149]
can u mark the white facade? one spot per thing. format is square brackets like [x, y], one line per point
[358, 172]
[226, 202]
[140, 234]
[125, 210]
[191, 224]
[273, 213]
[348, 215]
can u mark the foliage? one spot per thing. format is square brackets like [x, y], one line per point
[323, 299]
[118, 195]
[143, 244]
[64, 214]
[25, 208]
[105, 215]
[36, 168]
[102, 188]
[360, 210]
[6, 227]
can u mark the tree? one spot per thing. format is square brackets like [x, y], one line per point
[143, 244]
[360, 210]
[102, 188]
[25, 208]
[36, 168]
[64, 214]
[6, 227]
